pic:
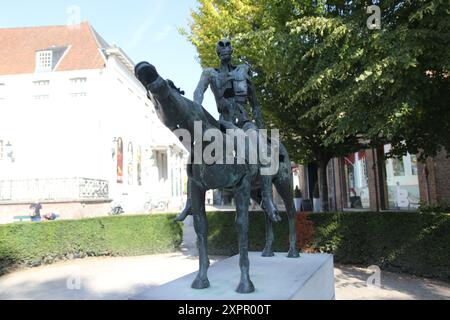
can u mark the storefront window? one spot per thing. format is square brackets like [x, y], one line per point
[402, 182]
[398, 167]
[414, 171]
[357, 182]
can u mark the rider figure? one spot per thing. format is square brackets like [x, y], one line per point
[233, 90]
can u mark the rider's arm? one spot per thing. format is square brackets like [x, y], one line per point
[201, 87]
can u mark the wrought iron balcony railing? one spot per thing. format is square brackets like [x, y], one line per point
[64, 189]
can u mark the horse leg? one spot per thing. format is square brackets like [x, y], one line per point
[242, 195]
[285, 190]
[268, 251]
[201, 228]
[188, 207]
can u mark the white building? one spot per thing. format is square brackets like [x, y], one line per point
[77, 132]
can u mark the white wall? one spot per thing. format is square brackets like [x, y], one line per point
[47, 134]
[65, 137]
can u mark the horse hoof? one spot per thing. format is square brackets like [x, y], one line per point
[245, 287]
[275, 218]
[293, 254]
[271, 211]
[267, 253]
[200, 283]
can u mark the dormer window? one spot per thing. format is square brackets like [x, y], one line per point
[47, 59]
[44, 61]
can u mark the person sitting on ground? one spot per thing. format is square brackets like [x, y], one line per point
[35, 212]
[50, 216]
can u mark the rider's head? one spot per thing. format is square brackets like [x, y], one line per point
[224, 50]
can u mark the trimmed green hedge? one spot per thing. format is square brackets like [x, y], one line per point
[414, 243]
[407, 242]
[223, 238]
[32, 244]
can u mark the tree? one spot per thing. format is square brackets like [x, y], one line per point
[329, 83]
[393, 84]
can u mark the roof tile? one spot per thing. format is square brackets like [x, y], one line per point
[18, 48]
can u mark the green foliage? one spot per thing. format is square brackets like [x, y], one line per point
[414, 243]
[223, 236]
[33, 244]
[442, 206]
[406, 242]
[328, 81]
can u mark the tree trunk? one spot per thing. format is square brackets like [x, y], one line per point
[323, 185]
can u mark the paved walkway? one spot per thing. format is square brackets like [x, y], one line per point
[121, 278]
[351, 284]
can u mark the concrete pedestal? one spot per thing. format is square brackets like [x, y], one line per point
[311, 277]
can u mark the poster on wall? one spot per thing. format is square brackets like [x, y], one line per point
[130, 163]
[139, 166]
[119, 160]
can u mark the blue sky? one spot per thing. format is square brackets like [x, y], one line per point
[145, 30]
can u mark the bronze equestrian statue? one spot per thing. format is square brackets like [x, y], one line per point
[233, 90]
[178, 112]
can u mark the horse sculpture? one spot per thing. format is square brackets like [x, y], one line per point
[178, 112]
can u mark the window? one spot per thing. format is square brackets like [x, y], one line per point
[41, 83]
[161, 163]
[41, 97]
[79, 84]
[78, 95]
[357, 181]
[78, 80]
[119, 166]
[399, 167]
[139, 166]
[40, 91]
[402, 182]
[176, 177]
[130, 163]
[44, 61]
[414, 171]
